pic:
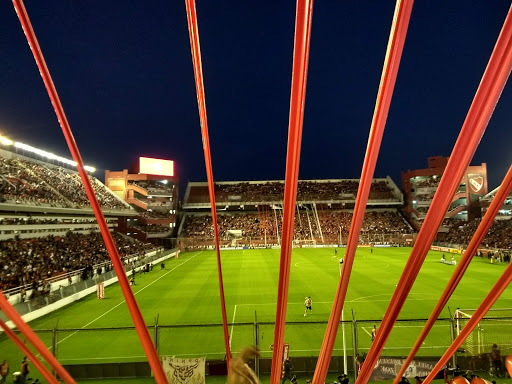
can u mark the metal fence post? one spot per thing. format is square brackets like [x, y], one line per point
[54, 345]
[354, 342]
[256, 343]
[157, 341]
[452, 335]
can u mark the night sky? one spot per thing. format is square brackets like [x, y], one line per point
[124, 73]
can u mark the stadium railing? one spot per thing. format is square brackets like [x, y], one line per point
[65, 290]
[120, 345]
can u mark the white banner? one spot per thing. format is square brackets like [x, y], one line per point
[184, 371]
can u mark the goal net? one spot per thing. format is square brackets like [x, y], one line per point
[304, 243]
[494, 328]
[234, 235]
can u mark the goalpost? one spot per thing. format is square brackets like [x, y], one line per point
[234, 235]
[304, 243]
[494, 328]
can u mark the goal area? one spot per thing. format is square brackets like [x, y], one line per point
[304, 243]
[494, 328]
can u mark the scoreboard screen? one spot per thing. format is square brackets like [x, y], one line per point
[150, 166]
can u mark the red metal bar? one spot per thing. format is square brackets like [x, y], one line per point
[303, 18]
[23, 327]
[487, 303]
[395, 46]
[479, 114]
[135, 313]
[508, 364]
[475, 242]
[37, 364]
[198, 75]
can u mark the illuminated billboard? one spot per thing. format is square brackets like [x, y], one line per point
[150, 166]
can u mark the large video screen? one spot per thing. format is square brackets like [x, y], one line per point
[150, 166]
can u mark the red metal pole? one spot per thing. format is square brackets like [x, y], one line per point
[198, 74]
[39, 366]
[14, 316]
[396, 42]
[135, 313]
[487, 303]
[479, 114]
[303, 18]
[475, 242]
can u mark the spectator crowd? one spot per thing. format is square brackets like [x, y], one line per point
[33, 183]
[152, 186]
[329, 225]
[29, 262]
[498, 235]
[321, 190]
[430, 182]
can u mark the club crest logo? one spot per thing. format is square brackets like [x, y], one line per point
[184, 371]
[476, 183]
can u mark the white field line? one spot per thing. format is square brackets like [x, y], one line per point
[316, 302]
[330, 302]
[364, 329]
[122, 302]
[232, 327]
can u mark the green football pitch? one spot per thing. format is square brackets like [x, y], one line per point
[185, 299]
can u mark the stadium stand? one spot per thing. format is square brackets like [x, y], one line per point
[498, 236]
[29, 182]
[307, 227]
[307, 191]
[153, 187]
[47, 227]
[253, 209]
[31, 262]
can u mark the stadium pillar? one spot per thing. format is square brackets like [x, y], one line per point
[33, 359]
[395, 46]
[479, 114]
[302, 38]
[198, 75]
[476, 240]
[39, 346]
[131, 303]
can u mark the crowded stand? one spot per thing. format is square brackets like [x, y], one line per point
[428, 183]
[30, 262]
[273, 191]
[498, 235]
[156, 215]
[151, 228]
[306, 226]
[425, 196]
[422, 210]
[375, 222]
[152, 186]
[33, 183]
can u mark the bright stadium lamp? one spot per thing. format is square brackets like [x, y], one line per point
[49, 155]
[5, 141]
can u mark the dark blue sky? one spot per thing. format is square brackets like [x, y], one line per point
[124, 73]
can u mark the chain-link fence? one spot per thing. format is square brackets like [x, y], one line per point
[122, 345]
[65, 290]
